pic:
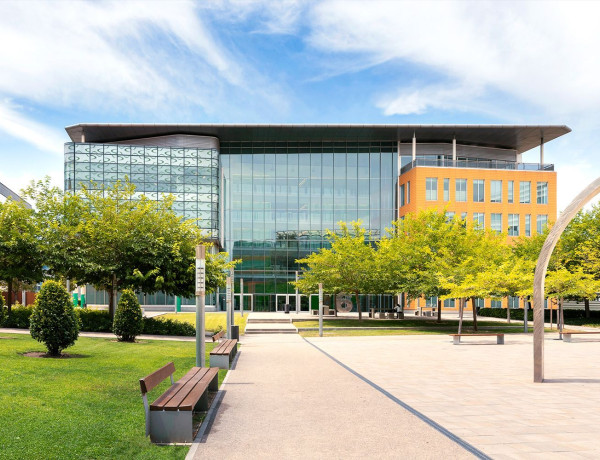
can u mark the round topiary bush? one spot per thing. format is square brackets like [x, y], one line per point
[128, 323]
[53, 320]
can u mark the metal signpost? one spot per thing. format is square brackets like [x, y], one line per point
[231, 300]
[200, 299]
[320, 310]
[228, 303]
[242, 297]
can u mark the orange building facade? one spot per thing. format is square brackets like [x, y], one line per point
[516, 198]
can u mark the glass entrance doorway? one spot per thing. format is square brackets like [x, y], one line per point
[283, 299]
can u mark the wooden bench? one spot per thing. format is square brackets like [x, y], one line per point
[218, 335]
[567, 334]
[169, 418]
[499, 337]
[222, 355]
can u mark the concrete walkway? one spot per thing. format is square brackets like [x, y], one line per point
[287, 399]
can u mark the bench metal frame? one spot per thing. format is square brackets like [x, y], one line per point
[499, 337]
[567, 335]
[223, 360]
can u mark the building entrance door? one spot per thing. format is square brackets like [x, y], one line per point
[283, 299]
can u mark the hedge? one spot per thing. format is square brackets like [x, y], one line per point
[517, 314]
[100, 321]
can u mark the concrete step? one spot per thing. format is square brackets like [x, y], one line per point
[270, 331]
[268, 321]
[270, 328]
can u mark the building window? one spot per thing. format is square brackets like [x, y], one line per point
[449, 303]
[446, 189]
[496, 191]
[478, 190]
[513, 302]
[461, 190]
[525, 192]
[479, 303]
[408, 192]
[402, 195]
[496, 222]
[431, 189]
[479, 219]
[449, 216]
[527, 224]
[463, 215]
[496, 303]
[513, 225]
[511, 191]
[542, 193]
[542, 223]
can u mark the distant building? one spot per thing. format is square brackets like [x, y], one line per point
[5, 193]
[267, 193]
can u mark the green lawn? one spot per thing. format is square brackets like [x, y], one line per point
[213, 320]
[88, 407]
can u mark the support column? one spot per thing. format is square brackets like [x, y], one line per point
[414, 146]
[242, 297]
[297, 297]
[541, 151]
[454, 148]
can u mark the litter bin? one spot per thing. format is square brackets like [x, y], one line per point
[235, 332]
[287, 307]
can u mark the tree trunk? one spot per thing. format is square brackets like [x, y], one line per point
[474, 313]
[586, 303]
[550, 315]
[508, 312]
[9, 294]
[525, 315]
[560, 319]
[460, 315]
[358, 306]
[439, 315]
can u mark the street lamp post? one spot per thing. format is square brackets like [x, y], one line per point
[320, 310]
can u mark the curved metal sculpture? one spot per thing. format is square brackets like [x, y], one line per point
[344, 303]
[540, 274]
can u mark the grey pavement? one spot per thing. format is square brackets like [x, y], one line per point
[484, 393]
[287, 399]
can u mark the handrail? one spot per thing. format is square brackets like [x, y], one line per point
[477, 163]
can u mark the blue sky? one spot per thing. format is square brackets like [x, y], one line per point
[64, 63]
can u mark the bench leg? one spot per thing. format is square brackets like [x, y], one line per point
[500, 340]
[566, 337]
[456, 340]
[202, 404]
[220, 361]
[171, 426]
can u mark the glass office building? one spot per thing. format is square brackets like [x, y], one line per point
[267, 194]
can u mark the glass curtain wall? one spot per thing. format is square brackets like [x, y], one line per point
[283, 196]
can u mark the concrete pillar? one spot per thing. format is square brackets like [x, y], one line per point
[414, 147]
[454, 148]
[542, 151]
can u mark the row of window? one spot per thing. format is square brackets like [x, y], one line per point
[514, 227]
[478, 187]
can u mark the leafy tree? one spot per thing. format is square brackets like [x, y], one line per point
[116, 239]
[20, 248]
[128, 322]
[349, 266]
[565, 284]
[53, 320]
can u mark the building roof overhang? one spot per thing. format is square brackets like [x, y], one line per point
[515, 137]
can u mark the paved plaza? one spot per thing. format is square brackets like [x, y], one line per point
[407, 396]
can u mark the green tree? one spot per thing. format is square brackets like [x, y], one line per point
[53, 320]
[20, 247]
[128, 322]
[116, 239]
[349, 266]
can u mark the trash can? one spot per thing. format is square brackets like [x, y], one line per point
[287, 308]
[235, 332]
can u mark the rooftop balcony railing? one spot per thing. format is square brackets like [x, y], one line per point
[476, 163]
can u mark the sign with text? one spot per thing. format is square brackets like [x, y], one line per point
[200, 276]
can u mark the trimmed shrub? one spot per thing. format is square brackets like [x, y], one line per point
[3, 311]
[54, 321]
[128, 323]
[94, 320]
[158, 326]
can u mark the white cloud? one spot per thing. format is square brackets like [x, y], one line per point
[543, 54]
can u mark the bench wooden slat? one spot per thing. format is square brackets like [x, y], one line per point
[150, 381]
[173, 390]
[475, 335]
[175, 402]
[201, 386]
[581, 332]
[224, 348]
[219, 348]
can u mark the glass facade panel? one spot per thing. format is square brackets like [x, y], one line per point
[511, 191]
[542, 193]
[191, 175]
[542, 223]
[296, 194]
[513, 225]
[496, 222]
[525, 192]
[446, 189]
[479, 219]
[496, 191]
[478, 190]
[461, 190]
[431, 188]
[527, 224]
